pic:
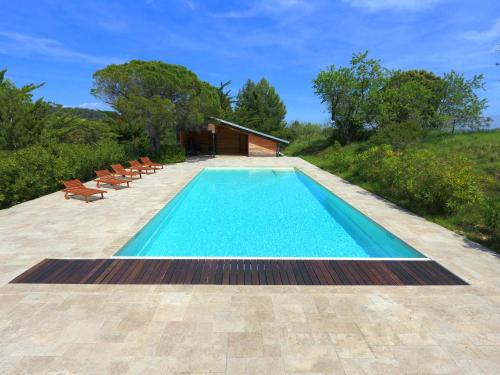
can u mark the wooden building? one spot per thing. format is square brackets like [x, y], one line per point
[221, 137]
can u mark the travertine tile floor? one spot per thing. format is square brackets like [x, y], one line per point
[99, 329]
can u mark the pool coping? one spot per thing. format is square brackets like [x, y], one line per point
[266, 258]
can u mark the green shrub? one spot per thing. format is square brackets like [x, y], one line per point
[36, 170]
[339, 159]
[420, 179]
[398, 135]
[171, 154]
[25, 175]
[492, 215]
[370, 164]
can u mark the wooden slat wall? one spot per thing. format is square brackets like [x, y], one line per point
[238, 272]
[228, 141]
[258, 146]
[201, 138]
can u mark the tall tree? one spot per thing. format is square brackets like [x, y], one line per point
[258, 106]
[22, 120]
[460, 106]
[225, 99]
[159, 95]
[411, 96]
[351, 93]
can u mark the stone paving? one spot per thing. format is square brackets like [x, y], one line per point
[170, 329]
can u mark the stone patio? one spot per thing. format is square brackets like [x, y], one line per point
[87, 329]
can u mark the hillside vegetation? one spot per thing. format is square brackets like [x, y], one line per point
[451, 179]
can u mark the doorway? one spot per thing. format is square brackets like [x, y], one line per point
[243, 144]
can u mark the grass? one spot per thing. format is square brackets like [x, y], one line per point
[482, 149]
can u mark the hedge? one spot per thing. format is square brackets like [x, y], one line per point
[37, 170]
[171, 154]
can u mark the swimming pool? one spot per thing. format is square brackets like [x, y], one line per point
[262, 213]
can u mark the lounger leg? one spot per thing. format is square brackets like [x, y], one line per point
[102, 195]
[86, 199]
[66, 196]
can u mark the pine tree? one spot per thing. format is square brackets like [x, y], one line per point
[258, 106]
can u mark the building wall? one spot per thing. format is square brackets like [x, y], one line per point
[202, 139]
[258, 146]
[228, 141]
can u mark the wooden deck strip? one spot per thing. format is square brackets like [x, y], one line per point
[238, 272]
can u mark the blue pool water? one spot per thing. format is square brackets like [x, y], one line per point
[255, 213]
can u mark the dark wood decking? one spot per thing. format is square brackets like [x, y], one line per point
[238, 272]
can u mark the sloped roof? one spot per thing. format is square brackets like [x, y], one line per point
[248, 130]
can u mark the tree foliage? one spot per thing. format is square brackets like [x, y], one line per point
[159, 95]
[364, 95]
[412, 95]
[84, 113]
[460, 106]
[21, 119]
[25, 122]
[258, 106]
[351, 93]
[399, 135]
[225, 99]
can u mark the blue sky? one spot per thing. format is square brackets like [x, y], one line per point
[287, 41]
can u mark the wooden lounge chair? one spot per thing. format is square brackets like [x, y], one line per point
[105, 177]
[136, 166]
[119, 170]
[148, 162]
[75, 187]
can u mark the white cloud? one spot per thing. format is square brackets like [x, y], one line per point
[190, 4]
[14, 43]
[93, 105]
[265, 8]
[395, 5]
[488, 35]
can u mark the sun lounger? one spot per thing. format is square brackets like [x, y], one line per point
[105, 177]
[148, 162]
[119, 170]
[75, 187]
[136, 166]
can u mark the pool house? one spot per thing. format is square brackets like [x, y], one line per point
[221, 137]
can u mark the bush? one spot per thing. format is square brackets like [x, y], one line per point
[340, 160]
[399, 135]
[171, 154]
[420, 179]
[417, 179]
[443, 186]
[492, 215]
[36, 170]
[370, 164]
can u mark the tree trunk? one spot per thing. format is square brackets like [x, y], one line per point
[453, 126]
[345, 134]
[154, 140]
[156, 143]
